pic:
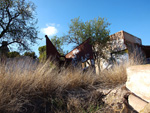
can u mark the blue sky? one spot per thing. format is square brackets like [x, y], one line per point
[132, 16]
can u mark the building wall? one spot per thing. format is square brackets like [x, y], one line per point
[133, 44]
[123, 40]
[122, 45]
[117, 41]
[120, 42]
[81, 53]
[132, 39]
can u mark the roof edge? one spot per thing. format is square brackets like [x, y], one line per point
[79, 45]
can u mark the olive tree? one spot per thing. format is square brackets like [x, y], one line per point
[96, 29]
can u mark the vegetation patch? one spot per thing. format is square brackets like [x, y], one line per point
[44, 89]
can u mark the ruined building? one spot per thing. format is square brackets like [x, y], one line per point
[125, 41]
[81, 54]
[121, 42]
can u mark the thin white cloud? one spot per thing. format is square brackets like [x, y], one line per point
[50, 24]
[50, 30]
[58, 25]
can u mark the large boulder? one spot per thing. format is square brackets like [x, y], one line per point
[138, 81]
[146, 109]
[115, 99]
[137, 103]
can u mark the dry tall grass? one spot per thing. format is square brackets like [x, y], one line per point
[41, 88]
[117, 74]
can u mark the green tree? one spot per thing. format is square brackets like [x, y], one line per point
[57, 42]
[13, 54]
[30, 54]
[97, 29]
[18, 23]
[42, 52]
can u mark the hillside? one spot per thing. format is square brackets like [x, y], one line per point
[42, 88]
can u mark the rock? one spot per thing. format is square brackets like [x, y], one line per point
[146, 109]
[138, 81]
[114, 98]
[137, 103]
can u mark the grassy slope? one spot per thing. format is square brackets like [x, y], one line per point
[42, 89]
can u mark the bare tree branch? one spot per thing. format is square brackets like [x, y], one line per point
[17, 22]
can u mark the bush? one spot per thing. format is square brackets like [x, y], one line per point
[30, 54]
[13, 54]
[42, 52]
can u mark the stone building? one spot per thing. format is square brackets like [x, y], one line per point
[124, 41]
[122, 46]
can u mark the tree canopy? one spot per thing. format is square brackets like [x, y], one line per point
[30, 54]
[96, 29]
[42, 52]
[18, 23]
[57, 42]
[79, 31]
[13, 54]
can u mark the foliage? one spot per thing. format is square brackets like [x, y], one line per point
[58, 42]
[31, 54]
[42, 52]
[79, 31]
[18, 23]
[17, 54]
[13, 54]
[97, 29]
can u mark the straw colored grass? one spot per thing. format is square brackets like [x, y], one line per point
[41, 88]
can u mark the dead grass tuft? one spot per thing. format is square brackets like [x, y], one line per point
[117, 74]
[41, 88]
